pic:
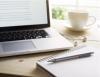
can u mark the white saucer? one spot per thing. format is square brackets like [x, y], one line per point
[76, 29]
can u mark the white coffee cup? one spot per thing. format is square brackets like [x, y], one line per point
[79, 20]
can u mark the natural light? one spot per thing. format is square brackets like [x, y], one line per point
[91, 6]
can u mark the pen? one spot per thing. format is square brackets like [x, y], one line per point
[83, 55]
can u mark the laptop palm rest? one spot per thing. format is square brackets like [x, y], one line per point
[12, 46]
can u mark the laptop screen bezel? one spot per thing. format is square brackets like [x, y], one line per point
[26, 27]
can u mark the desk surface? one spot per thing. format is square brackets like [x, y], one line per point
[26, 65]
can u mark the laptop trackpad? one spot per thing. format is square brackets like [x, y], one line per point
[26, 45]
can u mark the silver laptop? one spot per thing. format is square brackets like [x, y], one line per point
[25, 28]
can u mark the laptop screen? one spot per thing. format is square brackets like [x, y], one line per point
[23, 13]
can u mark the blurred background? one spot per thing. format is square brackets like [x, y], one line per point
[60, 9]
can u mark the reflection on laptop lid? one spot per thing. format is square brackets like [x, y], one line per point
[23, 14]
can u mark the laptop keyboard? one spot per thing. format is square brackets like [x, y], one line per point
[23, 35]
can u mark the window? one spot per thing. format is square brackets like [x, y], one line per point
[92, 6]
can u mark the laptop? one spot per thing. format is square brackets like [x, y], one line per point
[25, 28]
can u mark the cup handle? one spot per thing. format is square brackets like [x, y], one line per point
[94, 20]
